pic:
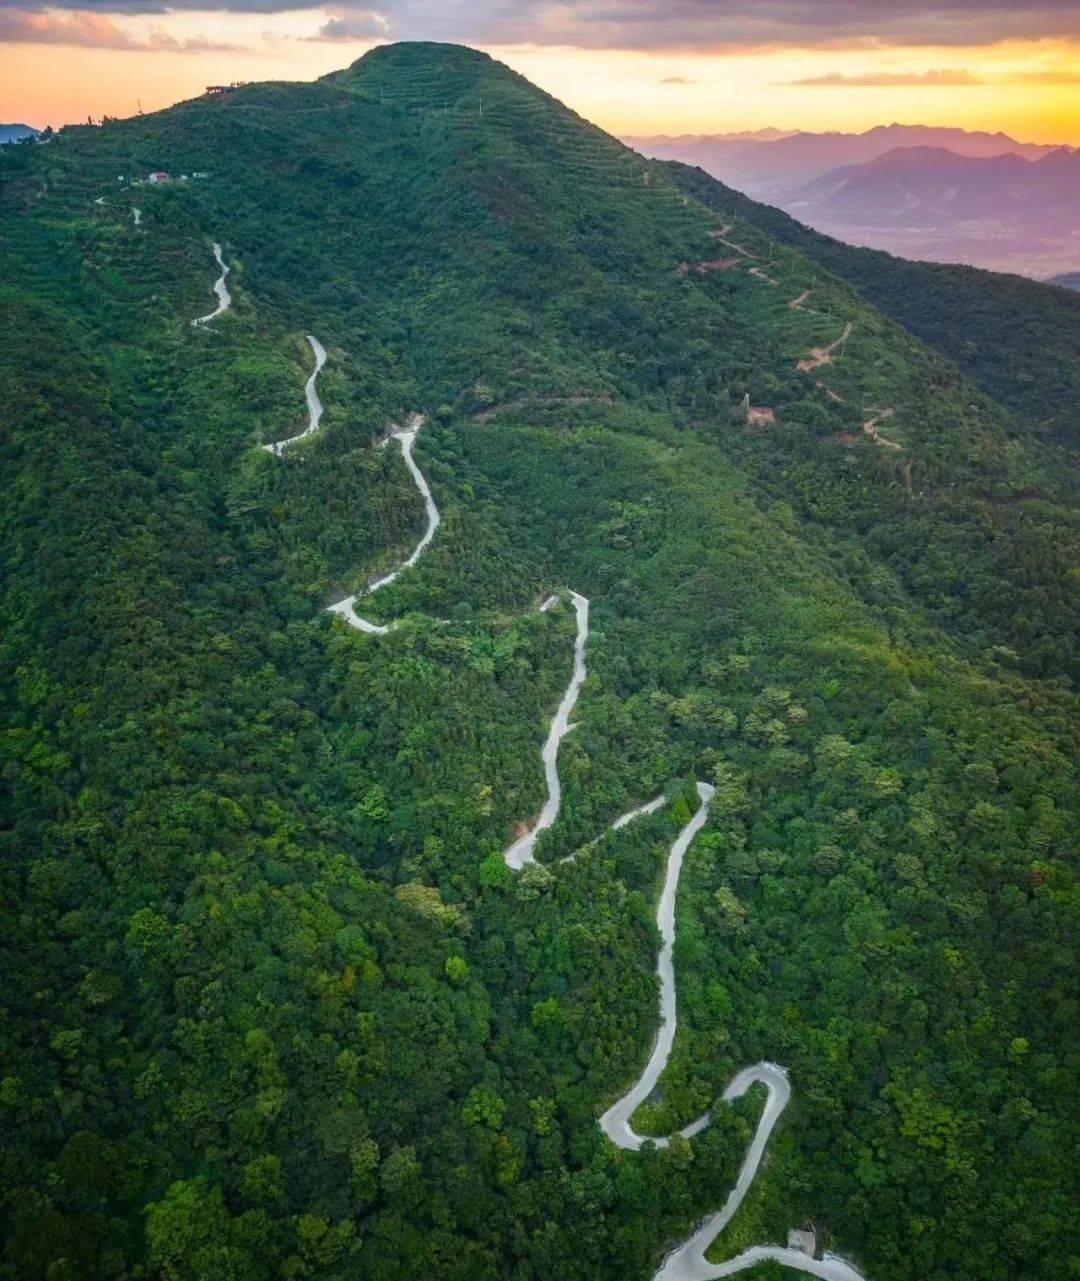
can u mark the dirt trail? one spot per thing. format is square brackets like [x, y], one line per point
[756, 271]
[738, 248]
[796, 303]
[709, 264]
[721, 234]
[871, 428]
[543, 402]
[823, 355]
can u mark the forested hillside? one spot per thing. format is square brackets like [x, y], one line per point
[275, 1004]
[1018, 339]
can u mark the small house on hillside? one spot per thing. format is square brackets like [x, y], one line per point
[159, 175]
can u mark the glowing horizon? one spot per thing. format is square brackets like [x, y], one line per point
[1027, 89]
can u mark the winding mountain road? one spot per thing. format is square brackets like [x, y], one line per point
[686, 1262]
[616, 1120]
[346, 608]
[220, 287]
[521, 852]
[314, 404]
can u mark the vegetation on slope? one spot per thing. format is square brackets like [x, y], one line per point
[276, 1007]
[1016, 338]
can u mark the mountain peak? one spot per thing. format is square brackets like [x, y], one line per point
[425, 72]
[431, 53]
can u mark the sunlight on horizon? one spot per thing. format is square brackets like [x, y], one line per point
[1028, 89]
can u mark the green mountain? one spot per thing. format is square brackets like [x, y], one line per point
[276, 1002]
[1015, 338]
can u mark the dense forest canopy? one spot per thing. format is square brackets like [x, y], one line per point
[273, 1003]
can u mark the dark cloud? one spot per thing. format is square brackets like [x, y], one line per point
[890, 79]
[699, 25]
[92, 31]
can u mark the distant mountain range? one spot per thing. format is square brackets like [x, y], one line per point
[16, 133]
[930, 190]
[771, 160]
[948, 195]
[1067, 280]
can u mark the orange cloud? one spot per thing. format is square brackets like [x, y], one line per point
[92, 31]
[891, 79]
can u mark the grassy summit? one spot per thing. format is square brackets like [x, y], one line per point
[274, 1005]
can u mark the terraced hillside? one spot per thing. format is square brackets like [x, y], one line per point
[1017, 338]
[279, 1001]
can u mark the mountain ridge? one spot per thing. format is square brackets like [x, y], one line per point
[996, 232]
[16, 133]
[1067, 280]
[926, 201]
[800, 156]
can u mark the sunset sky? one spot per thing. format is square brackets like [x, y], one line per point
[670, 66]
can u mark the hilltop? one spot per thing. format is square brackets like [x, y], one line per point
[280, 1001]
[16, 133]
